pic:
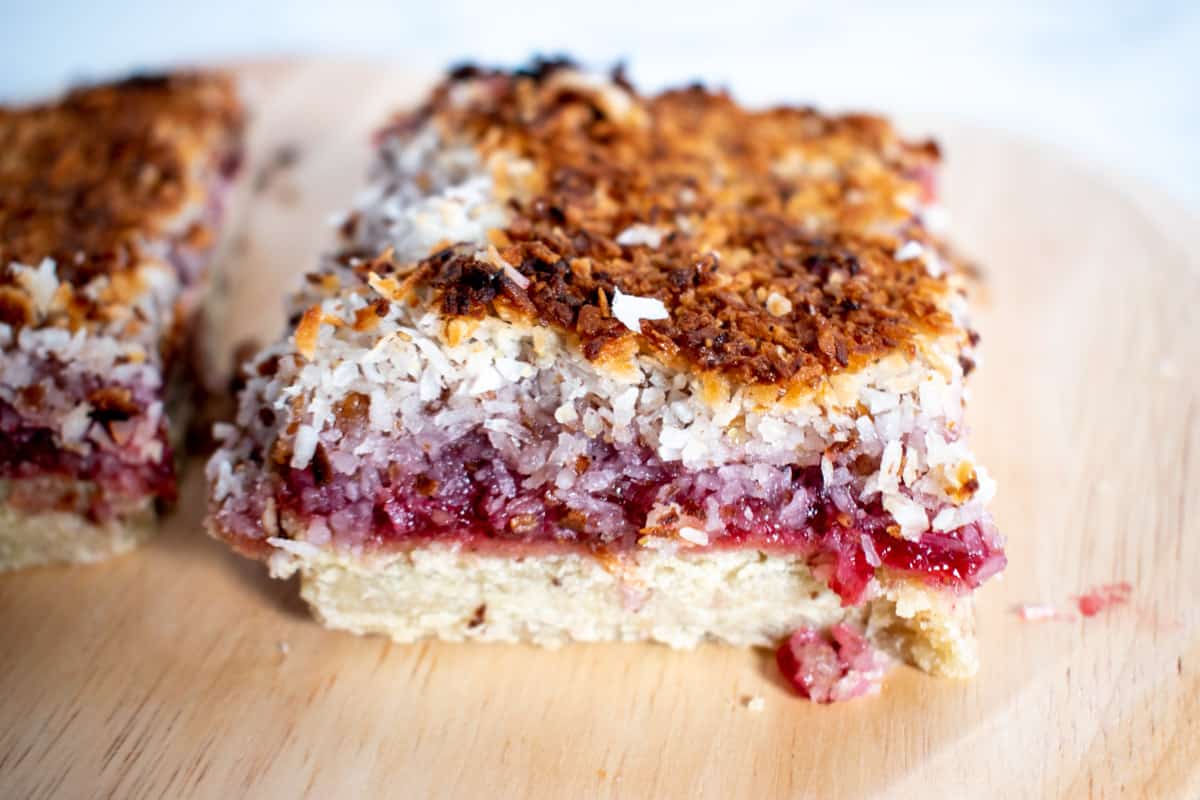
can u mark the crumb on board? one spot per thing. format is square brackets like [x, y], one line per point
[1092, 602]
[284, 648]
[1104, 597]
[754, 703]
[1030, 612]
[831, 666]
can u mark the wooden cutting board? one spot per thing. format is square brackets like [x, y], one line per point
[183, 671]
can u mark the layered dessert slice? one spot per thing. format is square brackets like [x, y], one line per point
[592, 366]
[109, 202]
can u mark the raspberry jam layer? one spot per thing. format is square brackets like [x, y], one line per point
[609, 499]
[120, 481]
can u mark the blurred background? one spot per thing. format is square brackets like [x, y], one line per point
[1115, 83]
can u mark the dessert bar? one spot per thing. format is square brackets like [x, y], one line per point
[592, 365]
[109, 204]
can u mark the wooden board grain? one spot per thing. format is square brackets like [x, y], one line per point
[182, 671]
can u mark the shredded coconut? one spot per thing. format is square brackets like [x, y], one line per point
[303, 446]
[640, 234]
[872, 555]
[302, 549]
[1039, 613]
[630, 310]
[778, 305]
[75, 423]
[41, 282]
[909, 251]
[909, 515]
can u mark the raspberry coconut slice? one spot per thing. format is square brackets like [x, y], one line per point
[110, 202]
[618, 367]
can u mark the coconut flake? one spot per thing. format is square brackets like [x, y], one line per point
[514, 276]
[639, 234]
[303, 446]
[295, 548]
[75, 422]
[872, 555]
[693, 535]
[933, 265]
[909, 251]
[493, 256]
[826, 470]
[487, 380]
[1040, 613]
[946, 519]
[40, 282]
[613, 100]
[565, 414]
[778, 305]
[909, 515]
[630, 310]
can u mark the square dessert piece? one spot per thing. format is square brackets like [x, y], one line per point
[109, 201]
[597, 366]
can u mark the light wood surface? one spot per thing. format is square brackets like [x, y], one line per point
[182, 671]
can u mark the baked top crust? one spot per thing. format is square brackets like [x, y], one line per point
[775, 239]
[96, 179]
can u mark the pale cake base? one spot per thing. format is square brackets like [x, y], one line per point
[738, 597]
[28, 539]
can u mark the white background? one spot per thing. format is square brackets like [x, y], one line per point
[1117, 84]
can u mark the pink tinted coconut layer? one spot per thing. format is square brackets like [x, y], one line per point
[469, 493]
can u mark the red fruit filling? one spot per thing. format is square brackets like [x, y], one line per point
[832, 667]
[32, 453]
[467, 492]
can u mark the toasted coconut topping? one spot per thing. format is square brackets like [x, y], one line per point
[769, 237]
[90, 184]
[109, 199]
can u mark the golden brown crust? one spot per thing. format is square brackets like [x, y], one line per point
[88, 179]
[778, 227]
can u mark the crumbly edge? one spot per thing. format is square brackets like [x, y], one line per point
[64, 537]
[737, 597]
